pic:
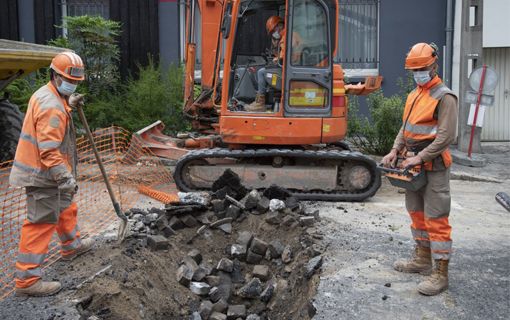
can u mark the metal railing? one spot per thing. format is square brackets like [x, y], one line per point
[75, 8]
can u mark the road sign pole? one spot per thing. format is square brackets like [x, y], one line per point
[479, 98]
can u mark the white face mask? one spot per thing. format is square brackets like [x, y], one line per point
[421, 77]
[66, 88]
[276, 35]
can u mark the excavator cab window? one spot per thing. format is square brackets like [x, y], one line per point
[252, 52]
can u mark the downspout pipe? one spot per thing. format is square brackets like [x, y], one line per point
[449, 42]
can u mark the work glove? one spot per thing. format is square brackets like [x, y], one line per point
[76, 100]
[68, 185]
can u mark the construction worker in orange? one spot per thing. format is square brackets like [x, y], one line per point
[45, 164]
[429, 127]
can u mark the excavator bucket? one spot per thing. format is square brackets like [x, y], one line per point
[161, 145]
[370, 85]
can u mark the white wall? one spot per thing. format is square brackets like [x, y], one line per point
[496, 23]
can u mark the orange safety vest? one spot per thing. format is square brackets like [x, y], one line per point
[47, 141]
[420, 125]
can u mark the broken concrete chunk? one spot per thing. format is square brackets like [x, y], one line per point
[233, 212]
[292, 203]
[190, 263]
[200, 274]
[306, 221]
[238, 251]
[205, 309]
[258, 246]
[139, 226]
[235, 202]
[213, 281]
[157, 242]
[225, 264]
[288, 220]
[195, 255]
[245, 238]
[223, 291]
[237, 275]
[203, 219]
[199, 288]
[218, 205]
[236, 311]
[175, 223]
[196, 316]
[168, 232]
[263, 205]
[217, 316]
[273, 217]
[220, 306]
[287, 255]
[253, 317]
[276, 205]
[149, 218]
[267, 294]
[261, 272]
[161, 222]
[231, 180]
[226, 227]
[313, 265]
[251, 290]
[252, 257]
[251, 200]
[276, 192]
[202, 198]
[184, 275]
[189, 221]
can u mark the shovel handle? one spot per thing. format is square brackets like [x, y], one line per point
[116, 205]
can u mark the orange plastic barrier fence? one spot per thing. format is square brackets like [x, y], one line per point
[128, 165]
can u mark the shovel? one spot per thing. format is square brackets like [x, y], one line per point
[123, 219]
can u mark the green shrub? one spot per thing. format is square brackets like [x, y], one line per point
[20, 90]
[375, 135]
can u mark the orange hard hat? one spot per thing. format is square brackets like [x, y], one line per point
[272, 22]
[69, 65]
[421, 55]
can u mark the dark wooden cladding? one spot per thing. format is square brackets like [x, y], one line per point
[47, 15]
[9, 20]
[140, 32]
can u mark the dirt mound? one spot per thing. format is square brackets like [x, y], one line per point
[267, 268]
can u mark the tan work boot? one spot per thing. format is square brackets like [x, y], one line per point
[421, 262]
[437, 282]
[259, 105]
[86, 245]
[40, 289]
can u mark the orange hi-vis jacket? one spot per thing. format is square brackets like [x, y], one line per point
[419, 118]
[47, 145]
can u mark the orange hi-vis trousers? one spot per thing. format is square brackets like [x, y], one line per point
[36, 234]
[429, 209]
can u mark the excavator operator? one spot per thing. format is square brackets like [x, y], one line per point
[275, 28]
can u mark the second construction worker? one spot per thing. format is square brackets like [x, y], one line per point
[45, 164]
[429, 127]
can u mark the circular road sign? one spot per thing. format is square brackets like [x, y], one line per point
[490, 83]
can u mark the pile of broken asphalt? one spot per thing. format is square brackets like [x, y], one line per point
[235, 254]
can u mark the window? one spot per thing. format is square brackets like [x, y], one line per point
[87, 7]
[309, 35]
[358, 37]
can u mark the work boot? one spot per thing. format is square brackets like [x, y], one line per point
[437, 282]
[40, 289]
[86, 245]
[421, 262]
[259, 105]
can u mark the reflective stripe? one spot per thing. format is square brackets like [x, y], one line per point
[34, 258]
[420, 129]
[30, 169]
[28, 137]
[49, 144]
[73, 245]
[68, 236]
[441, 245]
[423, 243]
[441, 256]
[420, 234]
[439, 91]
[30, 273]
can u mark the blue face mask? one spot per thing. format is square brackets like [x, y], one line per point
[421, 77]
[66, 88]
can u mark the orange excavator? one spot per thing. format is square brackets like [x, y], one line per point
[296, 140]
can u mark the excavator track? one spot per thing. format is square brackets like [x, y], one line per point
[344, 162]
